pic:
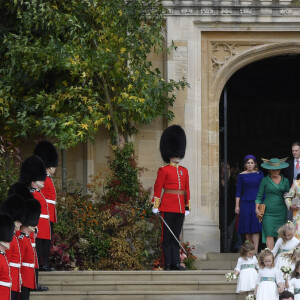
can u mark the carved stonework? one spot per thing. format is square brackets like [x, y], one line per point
[286, 11]
[226, 11]
[246, 11]
[186, 11]
[266, 11]
[206, 11]
[222, 53]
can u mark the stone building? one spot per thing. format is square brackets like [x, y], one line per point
[249, 46]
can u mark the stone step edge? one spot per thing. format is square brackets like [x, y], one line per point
[141, 282]
[53, 293]
[189, 272]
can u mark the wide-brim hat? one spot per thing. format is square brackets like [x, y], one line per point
[32, 169]
[172, 143]
[47, 152]
[274, 163]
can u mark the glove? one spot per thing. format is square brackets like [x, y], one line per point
[155, 210]
[187, 212]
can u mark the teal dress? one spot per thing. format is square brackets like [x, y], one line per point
[275, 212]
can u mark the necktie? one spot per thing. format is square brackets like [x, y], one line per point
[297, 164]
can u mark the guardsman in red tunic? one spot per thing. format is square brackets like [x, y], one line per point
[174, 204]
[33, 175]
[14, 206]
[47, 152]
[33, 211]
[7, 228]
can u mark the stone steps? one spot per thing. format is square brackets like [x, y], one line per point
[218, 261]
[136, 285]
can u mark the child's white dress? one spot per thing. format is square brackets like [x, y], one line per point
[280, 248]
[294, 287]
[267, 280]
[248, 274]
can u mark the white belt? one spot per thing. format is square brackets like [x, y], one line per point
[15, 265]
[33, 245]
[28, 265]
[44, 216]
[8, 284]
[51, 201]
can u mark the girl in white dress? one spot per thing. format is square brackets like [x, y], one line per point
[246, 269]
[269, 279]
[286, 242]
[294, 283]
[292, 257]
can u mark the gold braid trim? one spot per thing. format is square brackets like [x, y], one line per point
[156, 202]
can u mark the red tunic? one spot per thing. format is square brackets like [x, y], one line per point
[14, 259]
[173, 177]
[49, 193]
[5, 280]
[44, 223]
[27, 262]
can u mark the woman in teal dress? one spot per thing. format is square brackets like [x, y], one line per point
[273, 187]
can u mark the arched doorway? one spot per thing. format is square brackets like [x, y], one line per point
[262, 115]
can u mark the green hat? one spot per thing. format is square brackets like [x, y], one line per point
[274, 163]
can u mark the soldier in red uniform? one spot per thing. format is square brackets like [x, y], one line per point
[14, 206]
[33, 211]
[33, 175]
[7, 228]
[47, 152]
[174, 204]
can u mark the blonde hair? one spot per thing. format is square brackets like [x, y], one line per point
[284, 228]
[263, 254]
[246, 247]
[295, 273]
[293, 256]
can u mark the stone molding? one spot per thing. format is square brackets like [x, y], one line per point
[236, 9]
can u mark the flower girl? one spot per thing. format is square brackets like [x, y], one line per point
[294, 282]
[286, 242]
[269, 279]
[292, 257]
[246, 269]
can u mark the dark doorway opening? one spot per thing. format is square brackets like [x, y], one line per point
[263, 114]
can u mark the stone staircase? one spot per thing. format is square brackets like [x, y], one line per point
[205, 284]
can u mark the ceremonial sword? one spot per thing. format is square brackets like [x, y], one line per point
[172, 234]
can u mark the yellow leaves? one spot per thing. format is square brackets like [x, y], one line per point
[54, 7]
[108, 117]
[90, 108]
[120, 12]
[80, 133]
[65, 83]
[53, 106]
[37, 122]
[107, 50]
[130, 86]
[84, 99]
[108, 126]
[122, 50]
[99, 121]
[68, 123]
[84, 126]
[83, 74]
[142, 100]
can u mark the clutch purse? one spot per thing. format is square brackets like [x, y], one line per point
[261, 208]
[296, 201]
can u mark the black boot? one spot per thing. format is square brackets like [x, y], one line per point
[178, 267]
[167, 267]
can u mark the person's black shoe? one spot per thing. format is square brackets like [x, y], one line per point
[41, 288]
[46, 269]
[178, 267]
[167, 267]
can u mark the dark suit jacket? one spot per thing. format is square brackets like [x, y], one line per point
[289, 171]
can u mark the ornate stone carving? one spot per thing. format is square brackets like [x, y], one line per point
[206, 11]
[266, 11]
[246, 11]
[170, 11]
[186, 11]
[226, 11]
[223, 52]
[286, 11]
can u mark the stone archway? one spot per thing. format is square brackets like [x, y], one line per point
[224, 59]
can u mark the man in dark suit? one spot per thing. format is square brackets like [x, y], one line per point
[293, 169]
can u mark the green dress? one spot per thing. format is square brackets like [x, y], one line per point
[276, 211]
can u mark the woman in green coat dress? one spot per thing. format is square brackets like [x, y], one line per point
[273, 187]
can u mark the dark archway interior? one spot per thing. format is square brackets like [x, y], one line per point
[263, 109]
[263, 101]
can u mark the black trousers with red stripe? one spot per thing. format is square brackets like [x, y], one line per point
[169, 245]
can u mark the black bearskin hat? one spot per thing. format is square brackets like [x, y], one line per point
[172, 143]
[47, 152]
[33, 211]
[7, 228]
[20, 189]
[32, 169]
[14, 206]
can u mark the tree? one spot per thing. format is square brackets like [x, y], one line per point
[70, 66]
